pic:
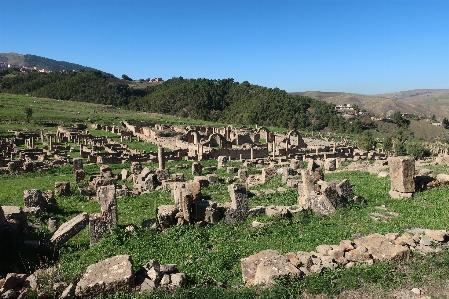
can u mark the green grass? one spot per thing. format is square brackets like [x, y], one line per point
[214, 252]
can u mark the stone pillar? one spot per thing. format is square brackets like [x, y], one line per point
[97, 228]
[50, 146]
[252, 154]
[108, 203]
[274, 149]
[197, 168]
[77, 164]
[161, 157]
[239, 203]
[242, 175]
[402, 172]
[286, 150]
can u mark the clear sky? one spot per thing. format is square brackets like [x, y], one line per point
[364, 46]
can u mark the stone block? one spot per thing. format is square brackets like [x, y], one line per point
[166, 215]
[68, 229]
[268, 174]
[197, 168]
[239, 197]
[80, 175]
[97, 228]
[33, 198]
[108, 204]
[263, 267]
[402, 172]
[62, 188]
[78, 164]
[212, 178]
[382, 249]
[107, 277]
[202, 180]
[330, 164]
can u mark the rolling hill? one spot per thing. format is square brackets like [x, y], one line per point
[420, 102]
[41, 62]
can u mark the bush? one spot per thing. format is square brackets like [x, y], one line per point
[417, 150]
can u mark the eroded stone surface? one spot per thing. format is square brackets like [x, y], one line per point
[107, 277]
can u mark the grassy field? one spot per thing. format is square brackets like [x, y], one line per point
[212, 254]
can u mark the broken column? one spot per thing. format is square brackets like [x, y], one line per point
[197, 168]
[68, 230]
[160, 157]
[239, 203]
[402, 172]
[77, 164]
[97, 228]
[108, 202]
[62, 188]
[221, 161]
[242, 175]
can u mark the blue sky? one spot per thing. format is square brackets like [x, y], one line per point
[365, 46]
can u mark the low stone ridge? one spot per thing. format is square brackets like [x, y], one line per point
[107, 277]
[268, 264]
[154, 275]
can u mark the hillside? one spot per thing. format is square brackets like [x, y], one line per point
[41, 62]
[437, 102]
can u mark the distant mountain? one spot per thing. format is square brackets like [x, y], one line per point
[420, 102]
[417, 95]
[41, 62]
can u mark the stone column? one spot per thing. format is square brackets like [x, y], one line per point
[274, 149]
[161, 157]
[402, 172]
[252, 154]
[108, 203]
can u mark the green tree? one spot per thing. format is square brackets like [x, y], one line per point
[388, 144]
[28, 113]
[126, 77]
[366, 141]
[417, 150]
[399, 148]
[445, 123]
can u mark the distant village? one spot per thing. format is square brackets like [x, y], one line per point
[23, 68]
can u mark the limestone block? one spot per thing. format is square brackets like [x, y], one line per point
[402, 172]
[202, 180]
[97, 228]
[268, 174]
[262, 267]
[162, 175]
[178, 279]
[68, 229]
[107, 277]
[330, 164]
[382, 249]
[344, 189]
[277, 211]
[15, 215]
[239, 197]
[197, 168]
[33, 198]
[108, 204]
[78, 164]
[62, 188]
[212, 178]
[178, 177]
[166, 215]
[436, 235]
[242, 174]
[80, 175]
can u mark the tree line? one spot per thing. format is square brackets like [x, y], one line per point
[214, 100]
